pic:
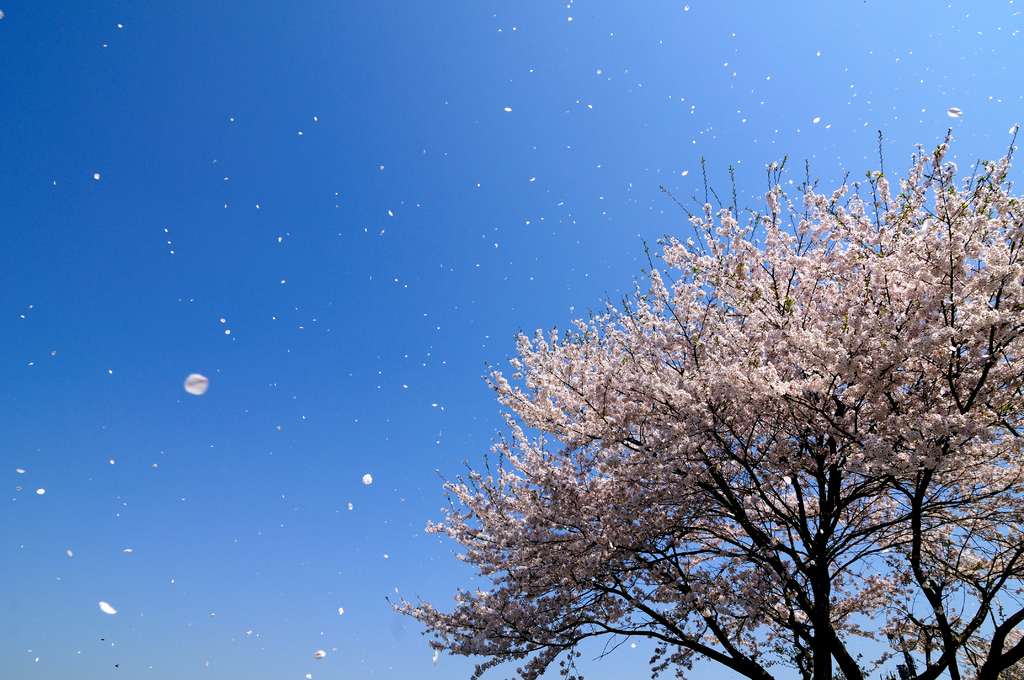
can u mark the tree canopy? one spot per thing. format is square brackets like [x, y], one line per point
[799, 431]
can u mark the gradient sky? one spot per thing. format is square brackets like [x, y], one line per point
[338, 212]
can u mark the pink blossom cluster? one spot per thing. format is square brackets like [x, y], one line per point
[801, 430]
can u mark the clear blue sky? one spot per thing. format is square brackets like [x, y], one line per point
[373, 198]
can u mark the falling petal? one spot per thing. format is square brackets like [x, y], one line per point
[954, 112]
[40, 491]
[341, 610]
[107, 609]
[367, 479]
[435, 657]
[196, 384]
[319, 654]
[70, 553]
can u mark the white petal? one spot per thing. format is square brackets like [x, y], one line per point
[196, 384]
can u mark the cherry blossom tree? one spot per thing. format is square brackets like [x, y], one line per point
[799, 432]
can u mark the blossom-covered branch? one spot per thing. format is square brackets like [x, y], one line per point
[798, 427]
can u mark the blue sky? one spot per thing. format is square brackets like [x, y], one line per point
[373, 198]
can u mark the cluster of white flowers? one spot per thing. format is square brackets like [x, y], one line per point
[791, 428]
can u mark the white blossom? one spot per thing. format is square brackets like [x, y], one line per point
[789, 433]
